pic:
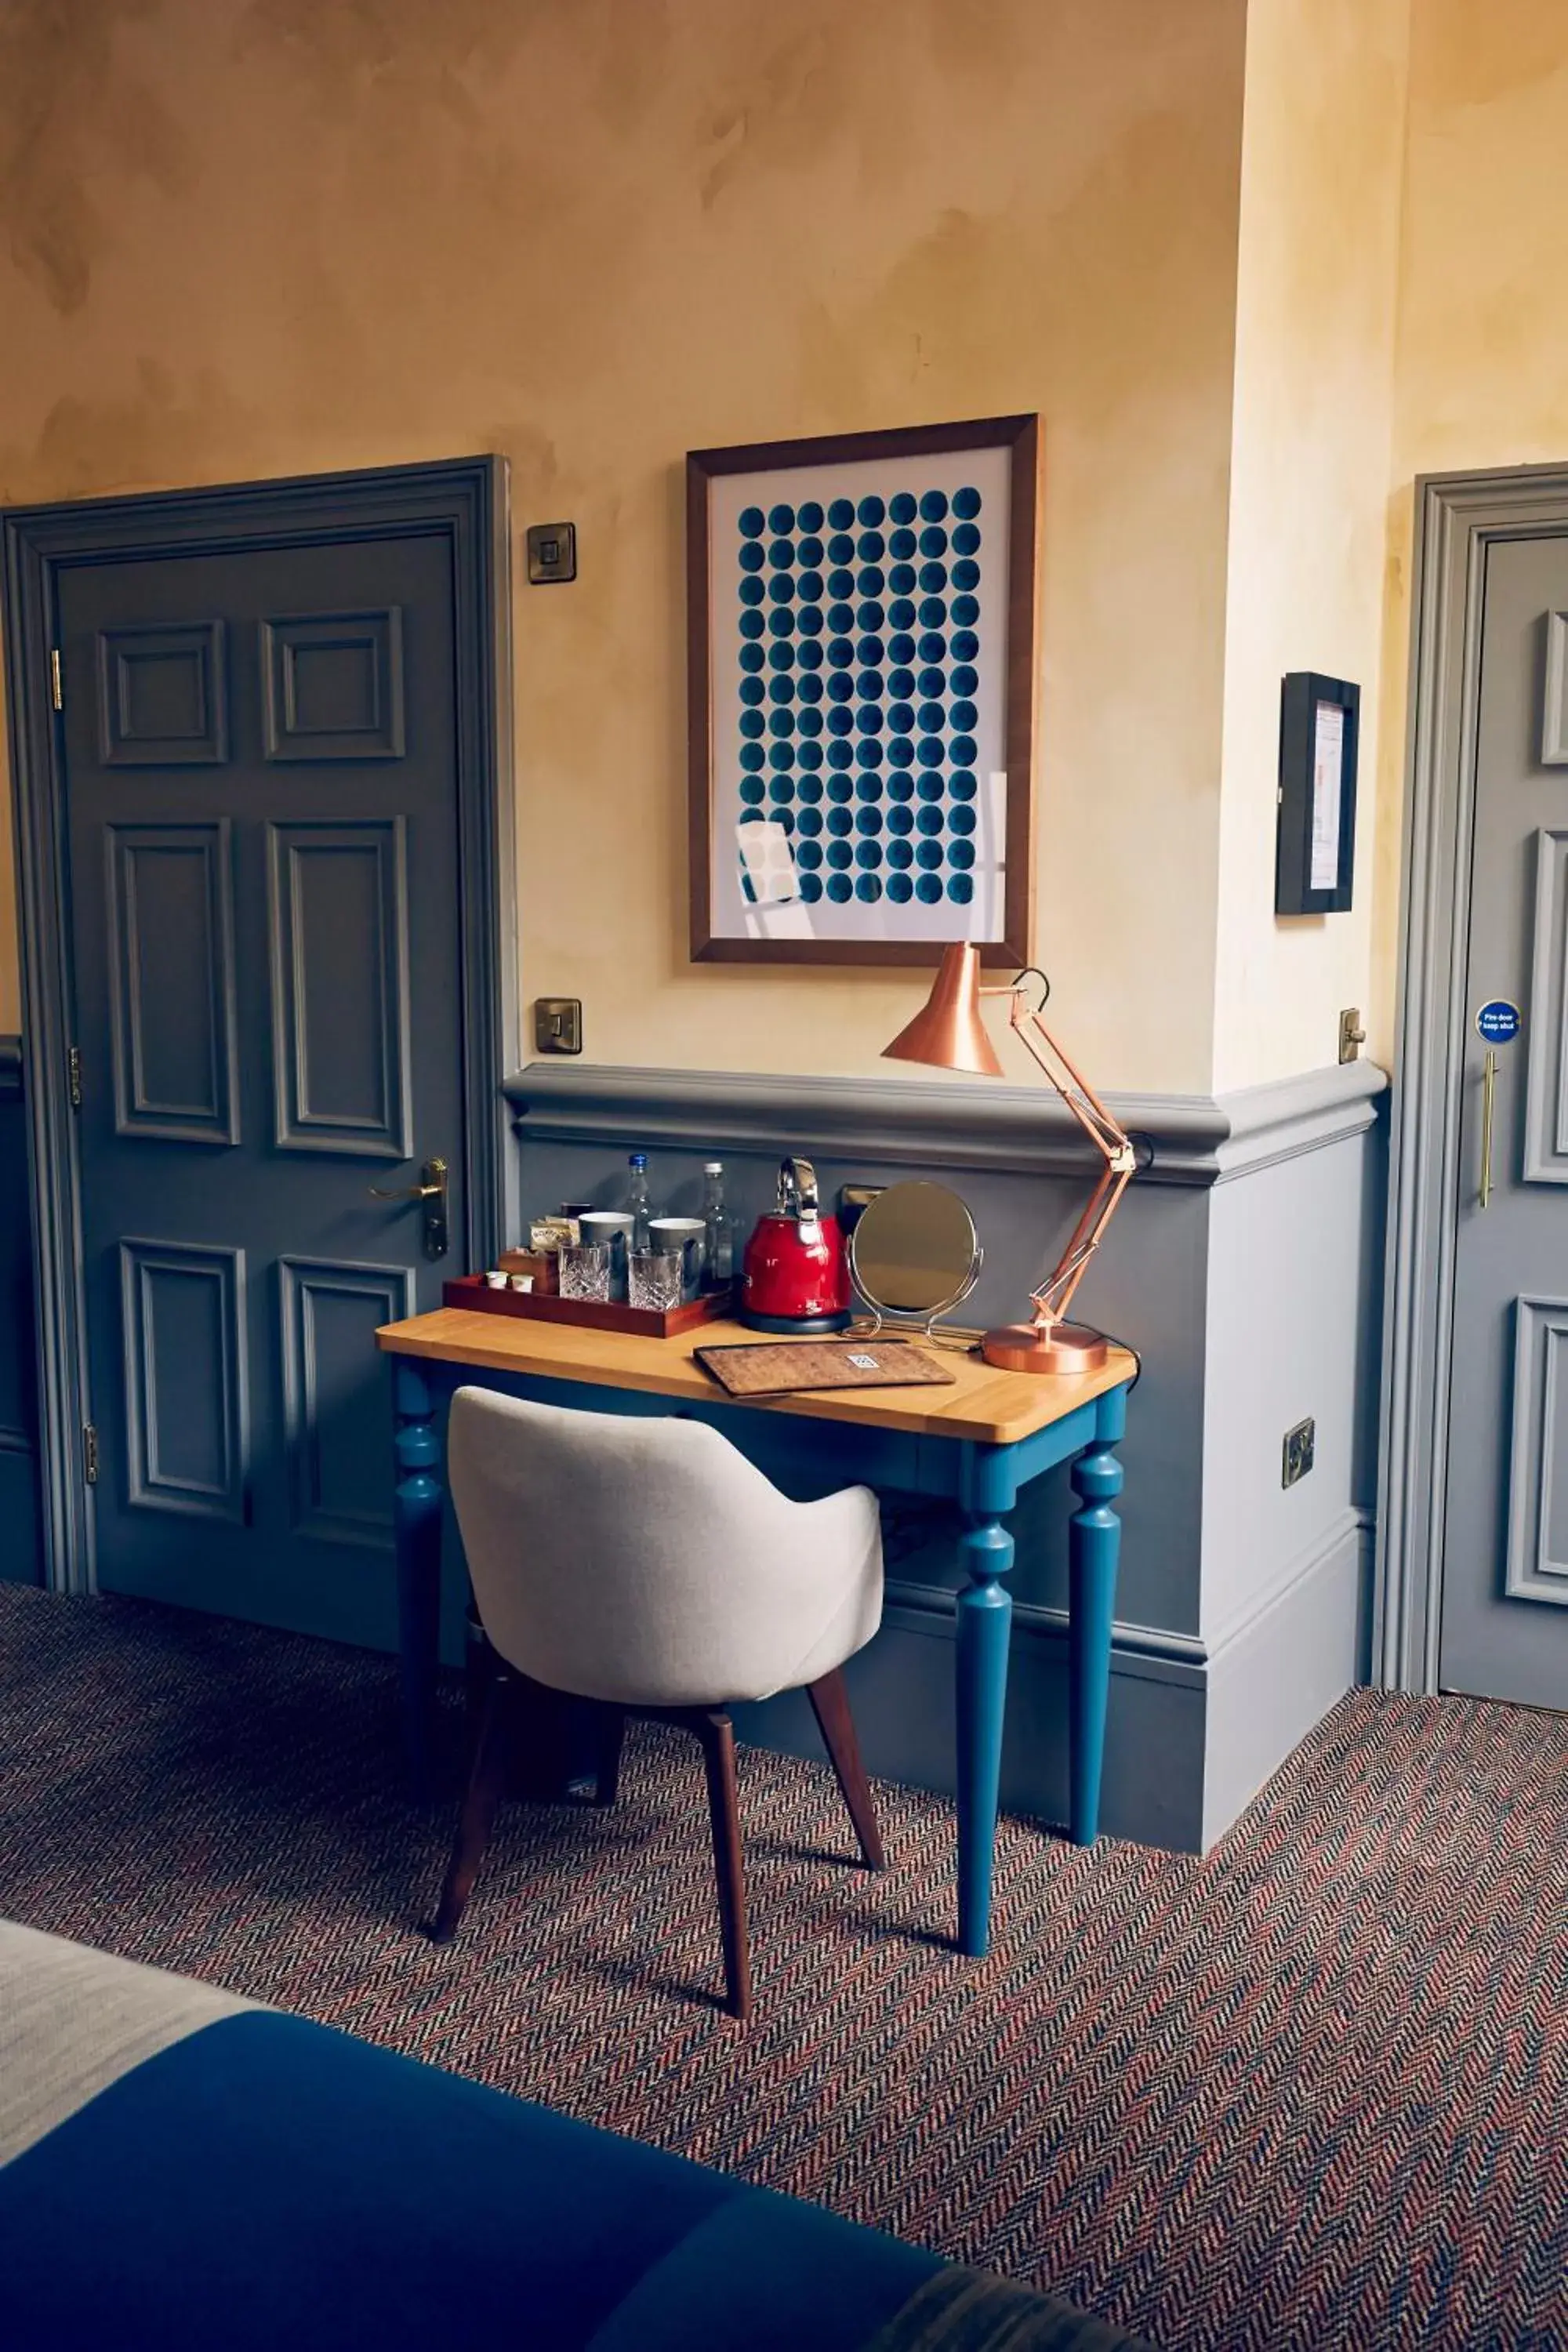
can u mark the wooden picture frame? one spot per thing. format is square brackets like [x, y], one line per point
[1314, 857]
[859, 793]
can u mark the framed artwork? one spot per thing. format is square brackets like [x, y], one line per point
[861, 672]
[1314, 857]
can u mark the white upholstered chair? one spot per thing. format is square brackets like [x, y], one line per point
[647, 1565]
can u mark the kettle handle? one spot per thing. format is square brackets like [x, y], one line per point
[797, 1188]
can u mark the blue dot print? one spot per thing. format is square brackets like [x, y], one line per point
[960, 819]
[967, 540]
[752, 689]
[752, 522]
[961, 854]
[965, 612]
[961, 889]
[751, 557]
[901, 648]
[929, 717]
[964, 680]
[927, 890]
[750, 591]
[839, 755]
[930, 789]
[873, 580]
[811, 620]
[933, 540]
[809, 517]
[964, 750]
[867, 854]
[752, 790]
[900, 889]
[869, 889]
[839, 787]
[841, 514]
[899, 854]
[966, 503]
[781, 553]
[966, 576]
[810, 587]
[809, 552]
[811, 888]
[902, 580]
[901, 506]
[932, 647]
[751, 625]
[871, 510]
[781, 589]
[934, 612]
[964, 717]
[839, 887]
[902, 545]
[965, 646]
[961, 783]
[900, 753]
[870, 616]
[781, 517]
[841, 547]
[933, 506]
[781, 621]
[752, 757]
[840, 584]
[808, 856]
[871, 547]
[928, 820]
[751, 657]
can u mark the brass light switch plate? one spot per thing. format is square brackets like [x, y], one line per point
[558, 1024]
[551, 552]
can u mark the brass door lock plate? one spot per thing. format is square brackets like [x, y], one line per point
[1352, 1036]
[558, 1024]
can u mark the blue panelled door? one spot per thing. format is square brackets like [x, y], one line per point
[261, 787]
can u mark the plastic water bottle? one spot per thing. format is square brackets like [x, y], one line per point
[637, 1200]
[718, 1245]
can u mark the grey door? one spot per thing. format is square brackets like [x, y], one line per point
[261, 771]
[1505, 1571]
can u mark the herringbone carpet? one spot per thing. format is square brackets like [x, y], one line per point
[1309, 2092]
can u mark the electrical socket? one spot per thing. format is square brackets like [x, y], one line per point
[1301, 1445]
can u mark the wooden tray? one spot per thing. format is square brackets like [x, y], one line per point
[547, 1306]
[779, 1367]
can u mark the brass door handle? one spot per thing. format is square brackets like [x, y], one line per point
[1488, 1098]
[432, 1190]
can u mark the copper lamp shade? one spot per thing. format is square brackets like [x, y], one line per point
[947, 1033]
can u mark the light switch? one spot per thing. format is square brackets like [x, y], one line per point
[551, 552]
[558, 1024]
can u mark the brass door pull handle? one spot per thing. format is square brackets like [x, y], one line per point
[432, 1190]
[1488, 1098]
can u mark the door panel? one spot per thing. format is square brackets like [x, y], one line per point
[173, 999]
[261, 795]
[1505, 1576]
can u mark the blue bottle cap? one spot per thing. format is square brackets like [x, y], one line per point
[637, 1159]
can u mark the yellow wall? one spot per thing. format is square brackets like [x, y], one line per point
[257, 236]
[1322, 149]
[1482, 373]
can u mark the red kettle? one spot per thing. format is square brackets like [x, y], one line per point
[796, 1276]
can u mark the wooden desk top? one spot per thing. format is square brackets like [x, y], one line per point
[990, 1407]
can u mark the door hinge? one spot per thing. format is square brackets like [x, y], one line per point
[73, 1074]
[89, 1454]
[57, 682]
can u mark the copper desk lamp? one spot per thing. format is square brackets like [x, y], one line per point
[949, 1033]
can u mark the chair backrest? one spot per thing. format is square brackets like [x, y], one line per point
[644, 1558]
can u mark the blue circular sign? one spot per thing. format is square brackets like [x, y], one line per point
[1498, 1021]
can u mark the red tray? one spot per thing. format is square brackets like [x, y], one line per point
[545, 1306]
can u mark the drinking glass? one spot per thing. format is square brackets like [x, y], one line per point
[585, 1271]
[656, 1278]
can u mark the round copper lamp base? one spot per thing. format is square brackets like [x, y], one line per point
[1048, 1348]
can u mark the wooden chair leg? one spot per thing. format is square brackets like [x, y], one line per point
[830, 1705]
[609, 1733]
[485, 1784]
[717, 1734]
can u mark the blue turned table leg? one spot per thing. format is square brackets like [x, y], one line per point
[1094, 1540]
[984, 1631]
[416, 1510]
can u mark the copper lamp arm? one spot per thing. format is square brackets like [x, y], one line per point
[1055, 1294]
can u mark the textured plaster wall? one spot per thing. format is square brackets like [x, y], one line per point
[247, 238]
[1482, 374]
[1323, 152]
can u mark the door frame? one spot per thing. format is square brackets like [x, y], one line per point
[1458, 519]
[464, 500]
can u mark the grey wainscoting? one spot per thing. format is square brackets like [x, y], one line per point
[1243, 1267]
[20, 1554]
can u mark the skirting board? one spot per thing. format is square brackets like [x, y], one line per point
[1285, 1669]
[901, 1687]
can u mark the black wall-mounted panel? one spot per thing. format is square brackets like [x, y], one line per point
[339, 947]
[161, 695]
[332, 685]
[334, 1395]
[173, 1016]
[187, 1417]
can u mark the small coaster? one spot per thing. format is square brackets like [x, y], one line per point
[780, 1367]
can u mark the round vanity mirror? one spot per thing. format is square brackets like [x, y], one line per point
[914, 1251]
